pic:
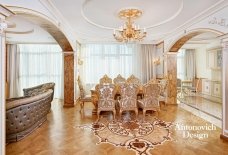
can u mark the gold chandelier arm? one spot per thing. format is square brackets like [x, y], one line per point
[129, 31]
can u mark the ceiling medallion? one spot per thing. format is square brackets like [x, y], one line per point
[129, 31]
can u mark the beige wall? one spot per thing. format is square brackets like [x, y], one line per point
[202, 71]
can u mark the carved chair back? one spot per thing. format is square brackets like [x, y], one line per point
[129, 96]
[119, 80]
[133, 80]
[81, 89]
[163, 84]
[129, 90]
[105, 80]
[106, 94]
[152, 89]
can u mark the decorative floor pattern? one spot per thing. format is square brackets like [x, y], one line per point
[131, 134]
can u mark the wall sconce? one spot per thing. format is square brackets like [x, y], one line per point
[80, 62]
[157, 61]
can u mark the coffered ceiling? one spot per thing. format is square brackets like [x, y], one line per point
[94, 20]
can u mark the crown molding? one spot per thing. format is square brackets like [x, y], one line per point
[4, 11]
[48, 4]
[20, 32]
[201, 16]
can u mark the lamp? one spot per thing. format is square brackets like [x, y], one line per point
[80, 62]
[157, 61]
[129, 31]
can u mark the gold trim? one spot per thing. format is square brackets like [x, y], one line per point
[130, 13]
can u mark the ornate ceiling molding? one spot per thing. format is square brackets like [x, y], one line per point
[180, 8]
[201, 16]
[20, 32]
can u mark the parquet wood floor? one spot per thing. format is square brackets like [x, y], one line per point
[57, 136]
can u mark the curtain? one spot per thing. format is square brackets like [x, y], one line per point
[13, 61]
[181, 69]
[41, 64]
[186, 68]
[190, 64]
[148, 55]
[110, 59]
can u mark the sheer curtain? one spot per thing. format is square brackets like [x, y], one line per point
[181, 69]
[40, 64]
[148, 54]
[190, 64]
[186, 64]
[110, 59]
[13, 61]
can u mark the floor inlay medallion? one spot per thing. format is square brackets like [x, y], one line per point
[134, 135]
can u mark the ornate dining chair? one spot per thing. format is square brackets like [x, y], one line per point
[163, 92]
[105, 80]
[151, 98]
[106, 102]
[128, 99]
[133, 80]
[83, 97]
[118, 81]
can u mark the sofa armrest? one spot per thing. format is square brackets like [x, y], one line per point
[26, 100]
[27, 90]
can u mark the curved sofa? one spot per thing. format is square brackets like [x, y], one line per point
[38, 89]
[24, 114]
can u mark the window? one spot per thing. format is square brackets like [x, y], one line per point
[41, 64]
[110, 59]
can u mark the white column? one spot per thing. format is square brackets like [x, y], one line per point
[2, 93]
[225, 89]
[4, 12]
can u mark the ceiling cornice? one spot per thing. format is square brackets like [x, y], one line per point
[48, 4]
[201, 16]
[20, 32]
[5, 11]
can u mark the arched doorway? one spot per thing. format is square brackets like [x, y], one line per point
[54, 30]
[172, 70]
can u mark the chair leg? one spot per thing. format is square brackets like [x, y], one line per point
[136, 113]
[144, 114]
[82, 105]
[98, 115]
[114, 114]
[120, 113]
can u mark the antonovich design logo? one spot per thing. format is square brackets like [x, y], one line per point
[195, 131]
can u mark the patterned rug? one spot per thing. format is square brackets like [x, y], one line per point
[131, 134]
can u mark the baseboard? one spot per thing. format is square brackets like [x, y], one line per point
[224, 137]
[68, 105]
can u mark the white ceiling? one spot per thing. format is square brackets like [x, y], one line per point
[94, 20]
[19, 33]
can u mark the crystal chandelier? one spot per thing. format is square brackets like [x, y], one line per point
[129, 31]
